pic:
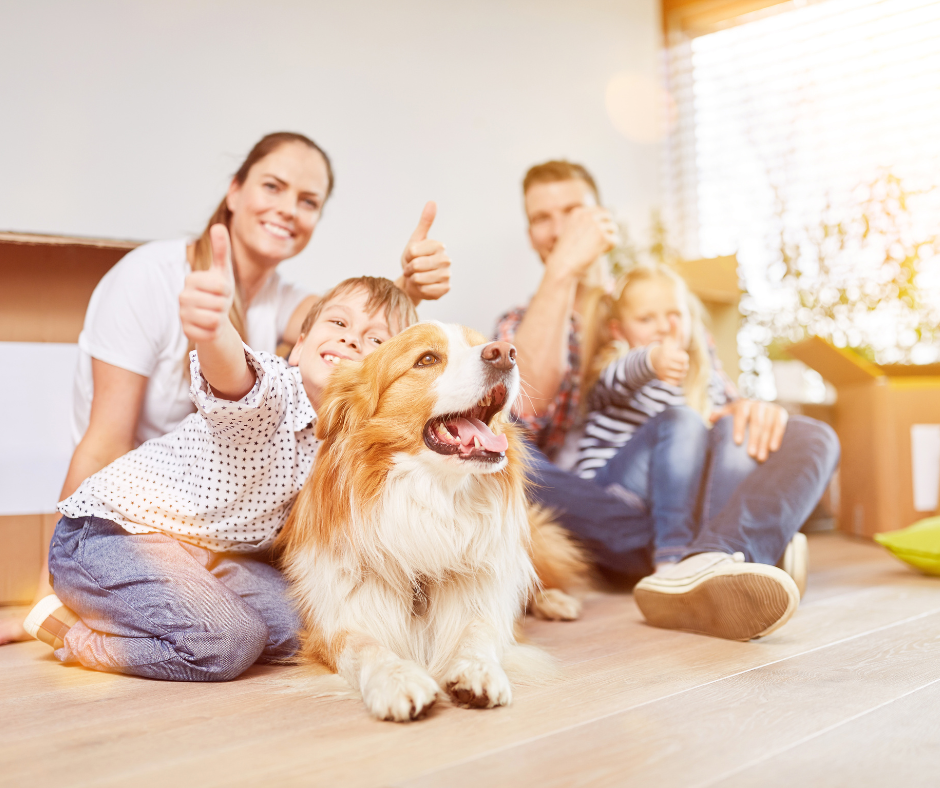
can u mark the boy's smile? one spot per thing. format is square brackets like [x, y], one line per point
[343, 331]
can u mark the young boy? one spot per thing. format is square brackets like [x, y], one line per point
[158, 561]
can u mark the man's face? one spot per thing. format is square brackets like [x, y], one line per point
[343, 331]
[548, 205]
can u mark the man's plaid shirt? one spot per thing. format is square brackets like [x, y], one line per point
[548, 430]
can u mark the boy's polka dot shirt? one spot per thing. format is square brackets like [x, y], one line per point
[226, 477]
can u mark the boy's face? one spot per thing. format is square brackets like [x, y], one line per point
[342, 331]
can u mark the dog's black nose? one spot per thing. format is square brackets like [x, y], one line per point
[501, 355]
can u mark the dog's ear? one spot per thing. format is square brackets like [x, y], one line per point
[348, 400]
[352, 396]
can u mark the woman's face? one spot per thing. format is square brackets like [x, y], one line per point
[276, 209]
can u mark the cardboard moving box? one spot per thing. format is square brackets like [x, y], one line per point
[46, 281]
[715, 282]
[888, 421]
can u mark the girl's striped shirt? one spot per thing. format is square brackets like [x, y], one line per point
[627, 395]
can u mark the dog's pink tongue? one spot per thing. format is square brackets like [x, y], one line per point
[468, 429]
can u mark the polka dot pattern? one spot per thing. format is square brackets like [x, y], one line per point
[226, 477]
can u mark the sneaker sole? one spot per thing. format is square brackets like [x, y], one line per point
[732, 605]
[795, 561]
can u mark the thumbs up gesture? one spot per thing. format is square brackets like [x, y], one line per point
[424, 262]
[207, 295]
[669, 359]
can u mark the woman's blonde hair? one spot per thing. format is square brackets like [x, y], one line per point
[599, 348]
[202, 247]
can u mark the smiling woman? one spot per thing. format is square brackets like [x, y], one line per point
[131, 383]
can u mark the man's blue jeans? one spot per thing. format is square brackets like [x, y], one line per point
[153, 606]
[642, 500]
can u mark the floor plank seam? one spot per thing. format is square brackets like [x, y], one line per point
[525, 742]
[810, 737]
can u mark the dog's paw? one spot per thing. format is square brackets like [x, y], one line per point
[400, 691]
[553, 604]
[480, 685]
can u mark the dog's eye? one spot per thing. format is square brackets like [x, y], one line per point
[427, 360]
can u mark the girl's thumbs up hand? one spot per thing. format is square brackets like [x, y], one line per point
[207, 295]
[669, 359]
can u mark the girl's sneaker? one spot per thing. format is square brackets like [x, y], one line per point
[719, 595]
[49, 620]
[795, 561]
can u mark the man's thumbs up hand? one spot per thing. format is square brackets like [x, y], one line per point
[424, 262]
[669, 359]
[207, 295]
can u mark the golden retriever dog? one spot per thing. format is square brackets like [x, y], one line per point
[411, 550]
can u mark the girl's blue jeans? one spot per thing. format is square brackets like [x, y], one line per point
[661, 469]
[150, 605]
[678, 488]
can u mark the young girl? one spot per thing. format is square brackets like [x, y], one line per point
[651, 382]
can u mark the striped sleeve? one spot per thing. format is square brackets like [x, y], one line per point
[621, 379]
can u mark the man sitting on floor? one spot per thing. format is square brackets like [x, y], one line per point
[728, 571]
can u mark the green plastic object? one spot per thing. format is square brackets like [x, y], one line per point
[917, 545]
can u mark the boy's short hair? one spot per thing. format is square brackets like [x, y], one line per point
[559, 170]
[399, 311]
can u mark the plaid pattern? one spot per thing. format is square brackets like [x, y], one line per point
[53, 629]
[548, 430]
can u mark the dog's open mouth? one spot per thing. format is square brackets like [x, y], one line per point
[468, 434]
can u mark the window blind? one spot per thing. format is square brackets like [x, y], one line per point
[784, 114]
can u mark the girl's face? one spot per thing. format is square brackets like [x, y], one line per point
[646, 311]
[276, 209]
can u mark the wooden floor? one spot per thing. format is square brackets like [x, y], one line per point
[847, 694]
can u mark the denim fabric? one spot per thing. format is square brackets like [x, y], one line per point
[613, 524]
[663, 464]
[153, 606]
[746, 506]
[756, 508]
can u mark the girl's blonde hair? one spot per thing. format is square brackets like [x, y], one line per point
[599, 348]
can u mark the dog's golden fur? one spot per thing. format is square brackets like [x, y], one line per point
[410, 567]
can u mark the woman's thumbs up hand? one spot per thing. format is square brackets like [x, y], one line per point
[424, 262]
[669, 358]
[207, 295]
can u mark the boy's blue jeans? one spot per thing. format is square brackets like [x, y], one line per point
[153, 606]
[649, 502]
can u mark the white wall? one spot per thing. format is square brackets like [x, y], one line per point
[126, 119]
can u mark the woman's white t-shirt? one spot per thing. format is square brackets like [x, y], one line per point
[133, 322]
